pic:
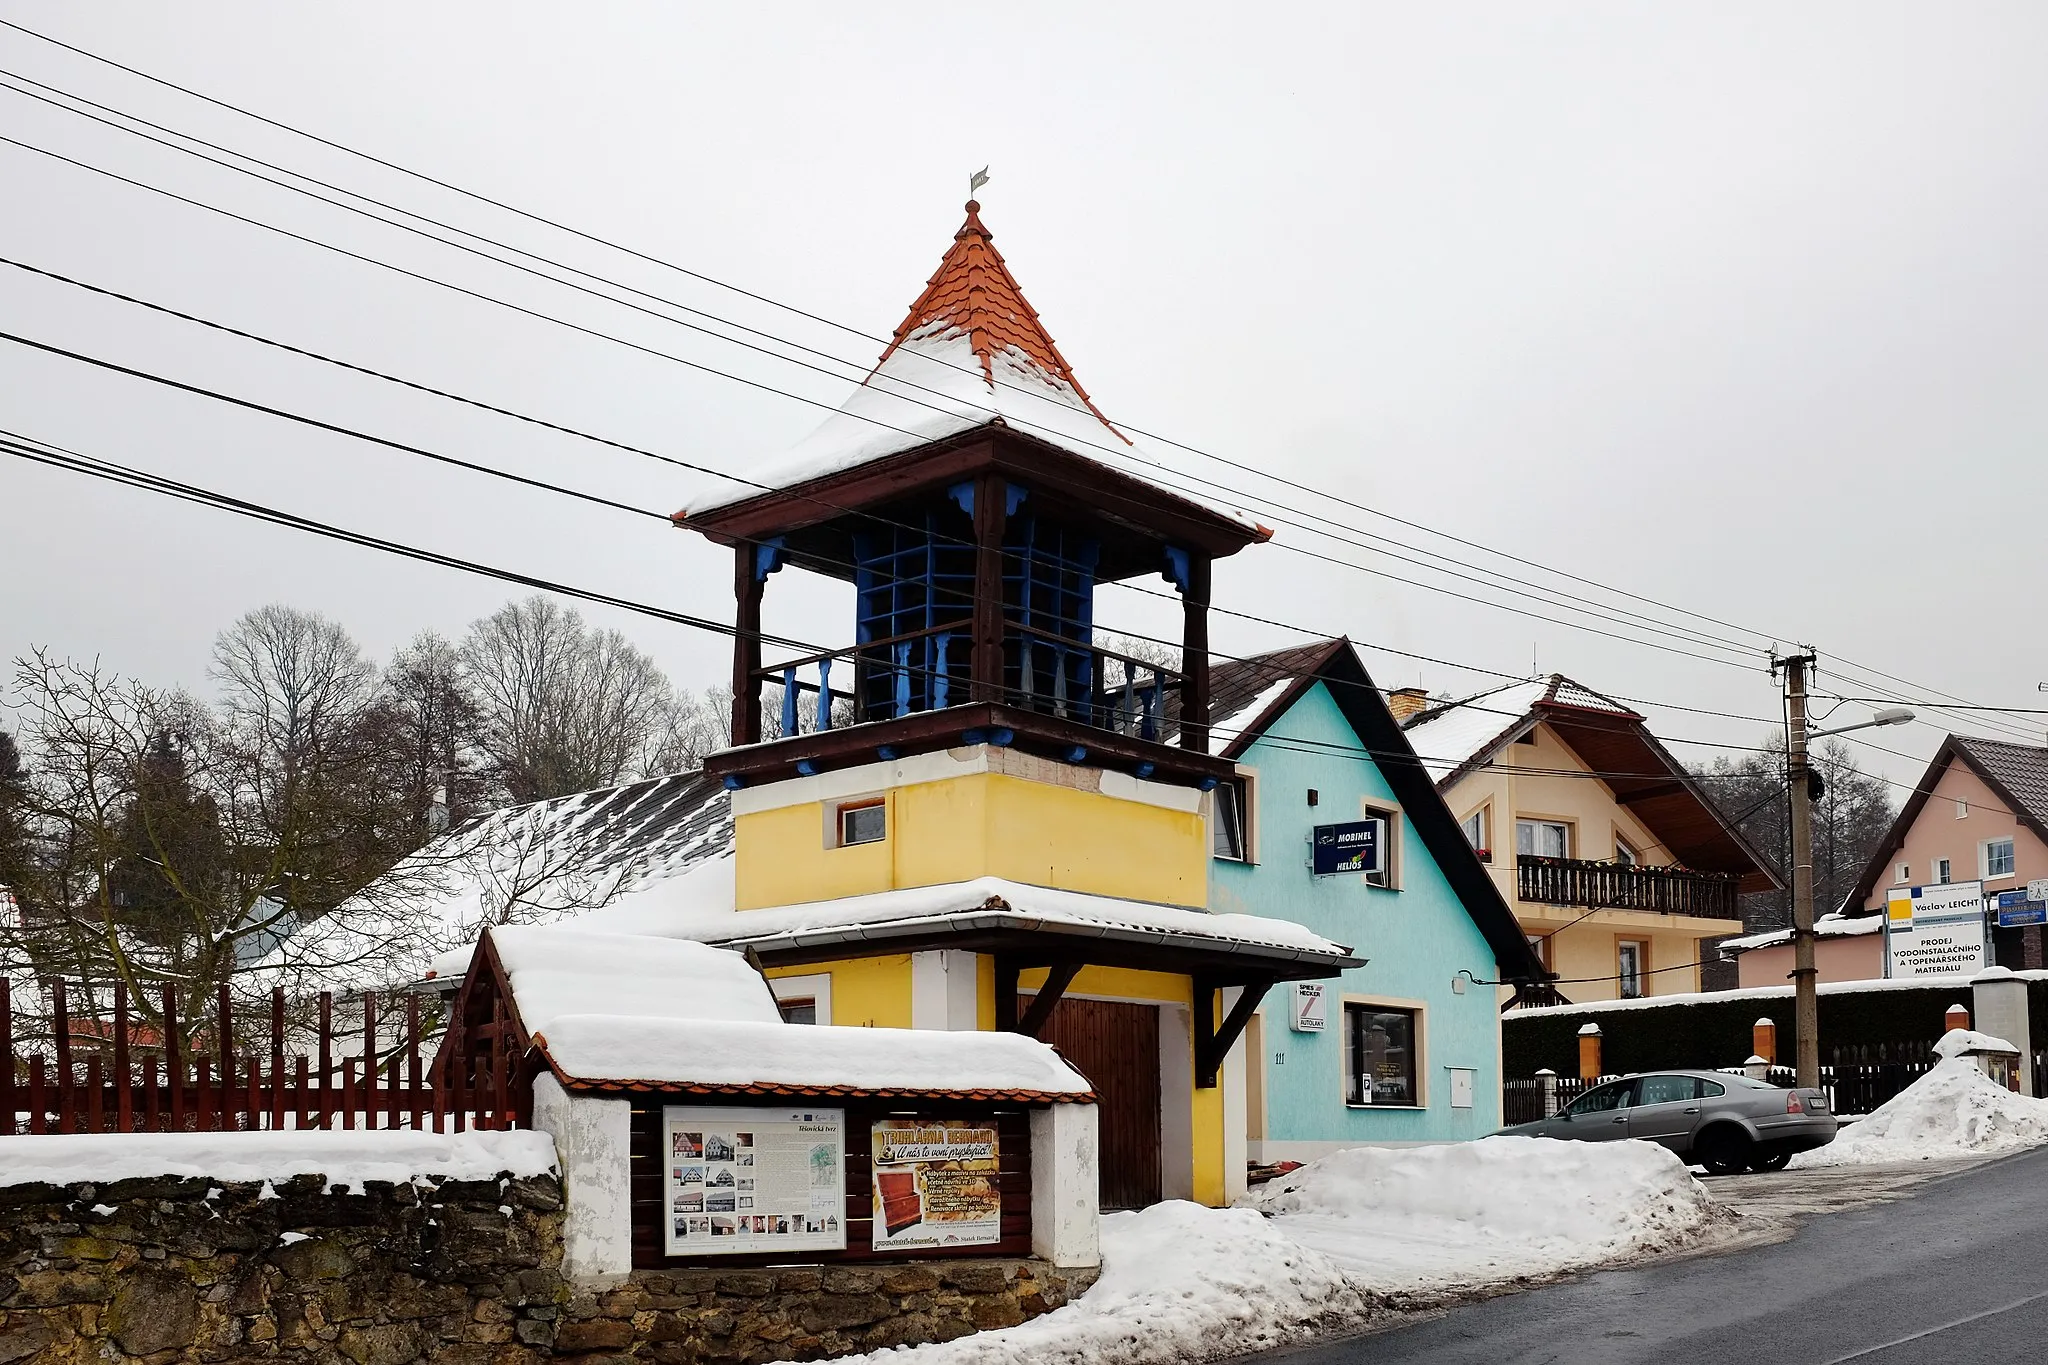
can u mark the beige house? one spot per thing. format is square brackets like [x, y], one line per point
[1620, 869]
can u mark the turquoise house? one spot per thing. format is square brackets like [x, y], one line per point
[1405, 1049]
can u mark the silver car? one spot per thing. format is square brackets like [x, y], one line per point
[1723, 1121]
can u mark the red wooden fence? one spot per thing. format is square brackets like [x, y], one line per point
[129, 1081]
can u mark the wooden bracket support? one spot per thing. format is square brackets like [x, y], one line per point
[1213, 1043]
[1056, 983]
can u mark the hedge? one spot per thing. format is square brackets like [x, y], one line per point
[1703, 1031]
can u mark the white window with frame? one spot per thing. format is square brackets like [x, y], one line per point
[1388, 874]
[1997, 858]
[1624, 853]
[804, 999]
[1543, 839]
[1904, 875]
[1474, 826]
[1631, 966]
[1230, 830]
[1942, 872]
[1962, 809]
[863, 822]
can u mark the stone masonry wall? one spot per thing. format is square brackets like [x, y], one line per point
[171, 1271]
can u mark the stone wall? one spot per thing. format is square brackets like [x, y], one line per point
[462, 1273]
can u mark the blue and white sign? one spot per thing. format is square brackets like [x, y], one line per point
[2016, 908]
[1935, 930]
[1351, 847]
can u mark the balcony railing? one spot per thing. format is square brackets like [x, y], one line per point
[929, 670]
[1625, 886]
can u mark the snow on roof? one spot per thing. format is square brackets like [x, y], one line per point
[538, 863]
[1955, 982]
[1827, 926]
[1450, 736]
[1222, 732]
[677, 917]
[615, 1049]
[558, 970]
[970, 352]
[1963, 1042]
[346, 1158]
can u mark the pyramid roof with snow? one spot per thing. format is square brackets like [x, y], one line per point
[970, 381]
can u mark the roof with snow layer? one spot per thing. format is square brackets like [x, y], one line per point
[2016, 773]
[971, 353]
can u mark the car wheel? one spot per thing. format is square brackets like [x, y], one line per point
[1723, 1151]
[1770, 1161]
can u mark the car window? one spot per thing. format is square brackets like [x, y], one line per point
[1711, 1089]
[1613, 1095]
[1668, 1089]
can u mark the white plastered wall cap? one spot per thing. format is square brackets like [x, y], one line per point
[1589, 1030]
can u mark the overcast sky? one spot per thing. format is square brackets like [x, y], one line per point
[1736, 307]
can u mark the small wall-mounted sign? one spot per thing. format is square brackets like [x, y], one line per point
[1310, 1012]
[1350, 847]
[2017, 908]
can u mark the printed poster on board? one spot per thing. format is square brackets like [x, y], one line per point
[935, 1185]
[744, 1181]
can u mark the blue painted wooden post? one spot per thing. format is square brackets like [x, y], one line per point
[824, 694]
[941, 685]
[902, 653]
[789, 701]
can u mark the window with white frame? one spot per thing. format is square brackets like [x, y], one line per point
[1942, 875]
[1629, 969]
[1388, 873]
[1543, 838]
[1998, 859]
[1962, 809]
[1624, 854]
[1230, 834]
[863, 822]
[1905, 875]
[1474, 826]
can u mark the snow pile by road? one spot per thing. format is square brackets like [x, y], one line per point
[1179, 1283]
[345, 1158]
[1954, 1110]
[1466, 1215]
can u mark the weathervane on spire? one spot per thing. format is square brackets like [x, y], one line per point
[976, 181]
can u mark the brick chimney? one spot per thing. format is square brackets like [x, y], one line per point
[1407, 701]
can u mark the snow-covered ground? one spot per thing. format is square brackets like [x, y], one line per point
[1327, 1245]
[1476, 1213]
[1955, 1110]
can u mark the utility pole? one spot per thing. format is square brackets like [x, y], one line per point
[1806, 994]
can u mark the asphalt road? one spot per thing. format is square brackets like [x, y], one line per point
[1955, 1271]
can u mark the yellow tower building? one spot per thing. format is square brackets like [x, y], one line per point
[974, 816]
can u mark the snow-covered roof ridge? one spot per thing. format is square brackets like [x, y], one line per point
[1832, 925]
[558, 970]
[723, 1055]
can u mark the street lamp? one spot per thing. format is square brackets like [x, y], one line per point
[1805, 977]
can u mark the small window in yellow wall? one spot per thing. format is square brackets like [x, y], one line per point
[863, 822]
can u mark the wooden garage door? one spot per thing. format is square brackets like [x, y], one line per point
[1116, 1046]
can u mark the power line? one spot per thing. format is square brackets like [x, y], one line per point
[48, 453]
[788, 308]
[1344, 535]
[705, 278]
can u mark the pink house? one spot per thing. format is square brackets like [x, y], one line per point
[1979, 813]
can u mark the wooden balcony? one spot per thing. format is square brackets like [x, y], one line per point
[1621, 886]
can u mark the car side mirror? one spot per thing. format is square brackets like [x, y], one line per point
[1565, 1114]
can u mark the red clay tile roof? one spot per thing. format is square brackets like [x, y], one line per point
[973, 292]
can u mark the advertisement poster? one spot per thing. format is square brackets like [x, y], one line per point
[1311, 1007]
[935, 1185]
[745, 1181]
[1934, 930]
[1351, 847]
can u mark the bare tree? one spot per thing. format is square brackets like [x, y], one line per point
[564, 708]
[430, 729]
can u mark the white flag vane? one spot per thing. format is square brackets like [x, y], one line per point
[976, 181]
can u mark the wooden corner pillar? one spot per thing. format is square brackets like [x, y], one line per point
[1213, 1043]
[991, 511]
[1194, 656]
[747, 584]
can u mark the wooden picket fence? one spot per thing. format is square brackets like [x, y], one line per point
[128, 1081]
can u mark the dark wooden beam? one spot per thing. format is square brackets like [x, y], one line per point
[1194, 657]
[989, 515]
[746, 646]
[1006, 993]
[1056, 983]
[1212, 1045]
[1650, 793]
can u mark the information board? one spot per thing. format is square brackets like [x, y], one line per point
[1351, 847]
[744, 1181]
[1935, 930]
[2017, 908]
[935, 1184]
[1311, 1007]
